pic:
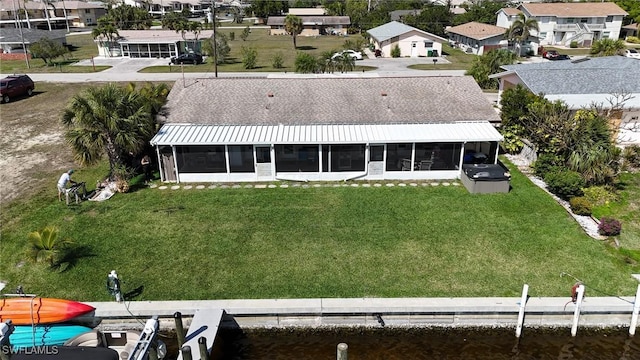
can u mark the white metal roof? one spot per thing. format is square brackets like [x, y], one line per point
[191, 134]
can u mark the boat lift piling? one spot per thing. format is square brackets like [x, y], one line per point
[177, 316]
[6, 329]
[202, 344]
[342, 351]
[185, 351]
[576, 312]
[634, 314]
[523, 304]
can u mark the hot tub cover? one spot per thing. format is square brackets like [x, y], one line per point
[486, 172]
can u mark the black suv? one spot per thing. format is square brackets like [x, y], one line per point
[14, 86]
[190, 58]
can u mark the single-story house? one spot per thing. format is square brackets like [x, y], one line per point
[477, 38]
[233, 130]
[11, 41]
[150, 44]
[411, 41]
[600, 81]
[630, 30]
[317, 11]
[312, 25]
[398, 15]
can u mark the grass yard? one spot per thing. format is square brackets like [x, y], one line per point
[312, 242]
[458, 58]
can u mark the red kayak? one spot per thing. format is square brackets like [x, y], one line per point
[37, 310]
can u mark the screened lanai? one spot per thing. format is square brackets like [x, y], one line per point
[211, 153]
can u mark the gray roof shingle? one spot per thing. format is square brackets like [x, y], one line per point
[598, 75]
[12, 35]
[309, 101]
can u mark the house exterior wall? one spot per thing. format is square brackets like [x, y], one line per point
[423, 45]
[477, 47]
[554, 30]
[504, 20]
[311, 30]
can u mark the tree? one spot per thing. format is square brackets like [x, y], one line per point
[222, 50]
[483, 11]
[106, 33]
[47, 50]
[46, 245]
[264, 8]
[432, 18]
[305, 63]
[520, 30]
[184, 27]
[489, 64]
[249, 57]
[238, 14]
[108, 120]
[245, 33]
[174, 20]
[293, 25]
[126, 17]
[607, 47]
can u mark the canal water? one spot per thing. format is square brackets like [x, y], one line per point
[432, 344]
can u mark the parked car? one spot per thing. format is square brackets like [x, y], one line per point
[188, 58]
[15, 86]
[356, 55]
[632, 53]
[554, 55]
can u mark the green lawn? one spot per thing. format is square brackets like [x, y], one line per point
[458, 58]
[312, 242]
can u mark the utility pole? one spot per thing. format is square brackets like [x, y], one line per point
[24, 46]
[215, 41]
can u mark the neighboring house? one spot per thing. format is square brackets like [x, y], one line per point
[477, 38]
[564, 23]
[411, 41]
[239, 129]
[398, 15]
[629, 30]
[312, 25]
[161, 7]
[600, 81]
[307, 11]
[55, 15]
[151, 44]
[11, 41]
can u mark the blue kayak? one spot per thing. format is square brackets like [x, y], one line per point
[44, 335]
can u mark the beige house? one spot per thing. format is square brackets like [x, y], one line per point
[412, 42]
[51, 15]
[477, 38]
[312, 25]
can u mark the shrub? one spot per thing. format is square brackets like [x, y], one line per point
[512, 143]
[609, 227]
[277, 61]
[565, 184]
[249, 57]
[580, 205]
[232, 35]
[395, 52]
[47, 245]
[633, 39]
[546, 163]
[631, 156]
[573, 44]
[305, 63]
[599, 195]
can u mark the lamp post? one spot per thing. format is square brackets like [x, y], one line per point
[215, 41]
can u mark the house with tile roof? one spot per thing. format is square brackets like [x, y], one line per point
[262, 129]
[599, 81]
[312, 25]
[411, 41]
[477, 38]
[567, 22]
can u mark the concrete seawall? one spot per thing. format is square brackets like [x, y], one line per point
[602, 312]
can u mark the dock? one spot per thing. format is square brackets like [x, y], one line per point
[205, 323]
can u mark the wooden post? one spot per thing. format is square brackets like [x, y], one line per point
[634, 314]
[177, 317]
[342, 351]
[202, 344]
[523, 303]
[576, 312]
[186, 352]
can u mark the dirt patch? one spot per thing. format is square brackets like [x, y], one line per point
[32, 144]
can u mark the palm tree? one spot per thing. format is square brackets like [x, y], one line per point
[607, 47]
[108, 119]
[46, 245]
[293, 25]
[520, 30]
[108, 33]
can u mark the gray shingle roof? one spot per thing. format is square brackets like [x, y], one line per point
[598, 75]
[12, 35]
[393, 29]
[305, 101]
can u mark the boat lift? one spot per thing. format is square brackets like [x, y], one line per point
[146, 342]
